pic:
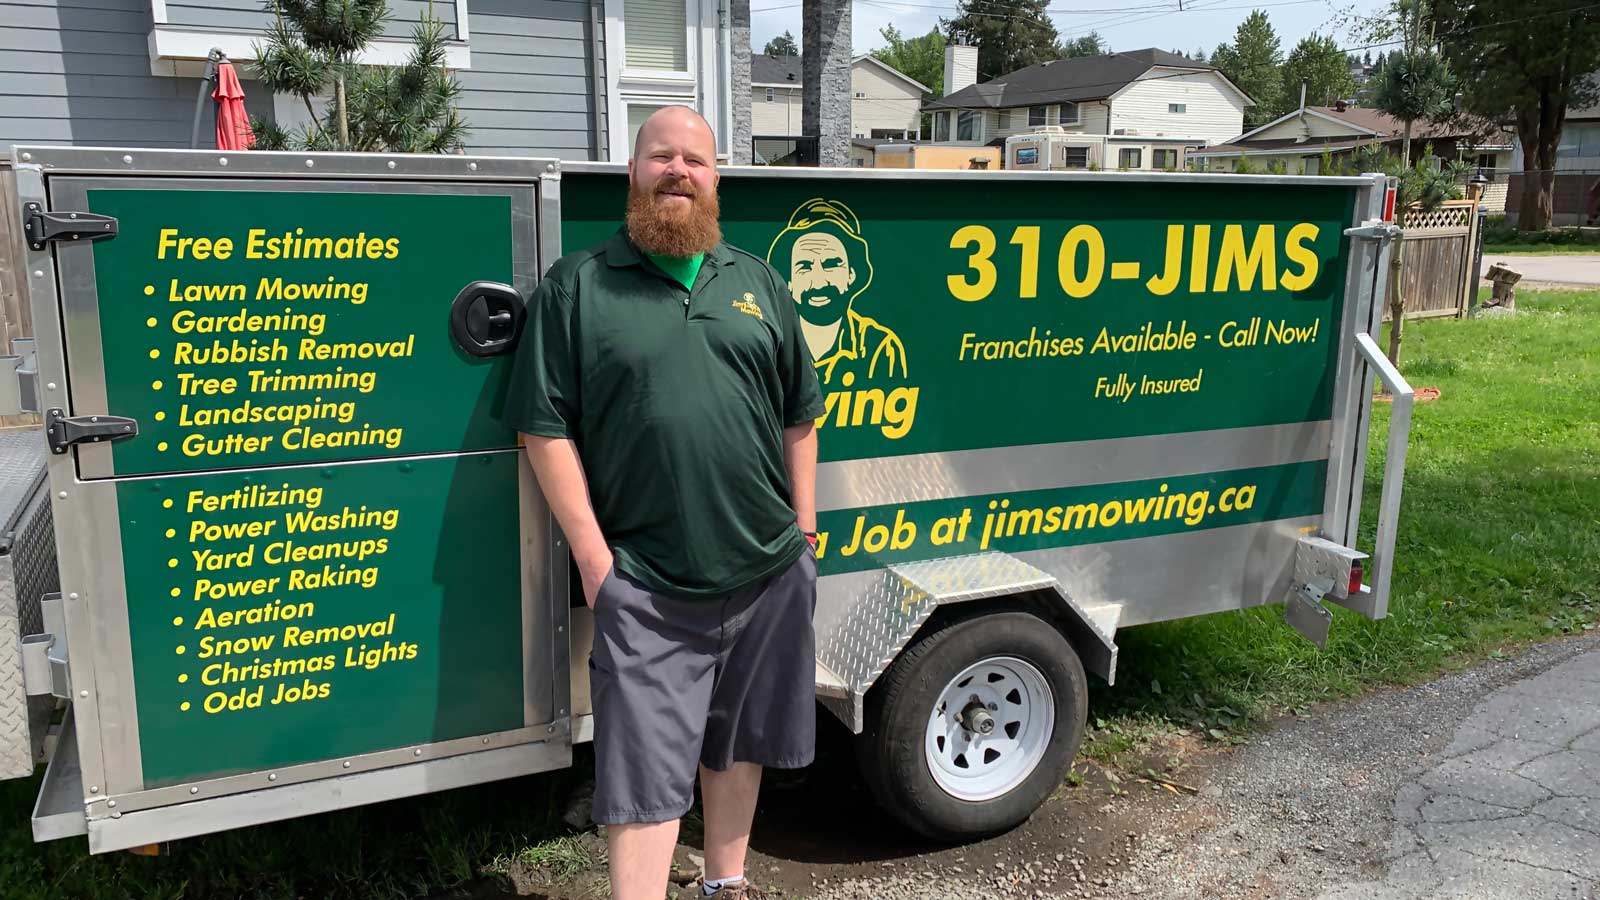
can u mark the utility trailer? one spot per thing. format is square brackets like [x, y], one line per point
[303, 566]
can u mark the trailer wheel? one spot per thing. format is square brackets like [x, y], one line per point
[974, 725]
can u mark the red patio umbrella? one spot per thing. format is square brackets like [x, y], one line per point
[233, 123]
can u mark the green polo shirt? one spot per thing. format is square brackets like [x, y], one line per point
[676, 399]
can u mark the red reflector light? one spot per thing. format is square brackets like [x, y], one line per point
[1355, 577]
[1388, 203]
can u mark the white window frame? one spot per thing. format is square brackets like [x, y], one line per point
[1138, 158]
[1077, 114]
[1044, 115]
[704, 87]
[771, 95]
[181, 50]
[1003, 120]
[1177, 109]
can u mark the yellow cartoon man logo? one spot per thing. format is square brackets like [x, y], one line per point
[828, 265]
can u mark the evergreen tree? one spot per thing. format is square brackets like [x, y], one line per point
[782, 45]
[1009, 34]
[1091, 44]
[312, 46]
[1317, 63]
[1251, 62]
[1199, 54]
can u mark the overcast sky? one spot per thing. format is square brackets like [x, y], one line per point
[1131, 25]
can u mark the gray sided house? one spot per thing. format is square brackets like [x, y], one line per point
[566, 78]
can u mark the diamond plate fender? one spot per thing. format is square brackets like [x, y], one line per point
[863, 643]
[27, 573]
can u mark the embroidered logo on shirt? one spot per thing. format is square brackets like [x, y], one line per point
[748, 306]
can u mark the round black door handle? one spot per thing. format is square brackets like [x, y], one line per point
[486, 318]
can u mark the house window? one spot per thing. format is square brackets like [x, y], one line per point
[1005, 120]
[655, 35]
[892, 134]
[1074, 157]
[1067, 114]
[858, 163]
[941, 126]
[861, 95]
[637, 113]
[1177, 107]
[1129, 158]
[1487, 160]
[967, 128]
[769, 95]
[1035, 116]
[1310, 165]
[1164, 159]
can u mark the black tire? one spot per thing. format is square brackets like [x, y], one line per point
[891, 747]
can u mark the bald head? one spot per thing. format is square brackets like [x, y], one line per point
[676, 126]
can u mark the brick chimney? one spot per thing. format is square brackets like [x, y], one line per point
[960, 67]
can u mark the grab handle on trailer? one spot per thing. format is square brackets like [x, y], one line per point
[1394, 471]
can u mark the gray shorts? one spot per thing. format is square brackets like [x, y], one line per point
[680, 682]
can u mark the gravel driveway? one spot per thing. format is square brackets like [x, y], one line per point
[1482, 785]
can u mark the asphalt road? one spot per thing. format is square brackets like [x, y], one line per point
[1567, 269]
[1484, 785]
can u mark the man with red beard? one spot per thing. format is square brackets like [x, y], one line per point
[667, 400]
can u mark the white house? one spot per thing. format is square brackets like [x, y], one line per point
[1140, 109]
[886, 103]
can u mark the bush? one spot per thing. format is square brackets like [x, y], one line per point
[1497, 231]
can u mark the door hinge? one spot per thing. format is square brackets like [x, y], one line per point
[40, 227]
[63, 431]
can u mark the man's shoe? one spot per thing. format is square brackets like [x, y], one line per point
[738, 890]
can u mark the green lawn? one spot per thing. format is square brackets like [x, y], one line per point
[1499, 542]
[1541, 249]
[1500, 545]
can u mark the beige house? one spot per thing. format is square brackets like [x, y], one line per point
[1138, 110]
[886, 103]
[1300, 140]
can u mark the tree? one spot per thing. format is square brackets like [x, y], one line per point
[1317, 63]
[312, 46]
[1091, 44]
[1009, 34]
[1529, 62]
[1199, 54]
[782, 45]
[921, 58]
[1251, 62]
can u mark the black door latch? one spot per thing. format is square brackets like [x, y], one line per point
[486, 318]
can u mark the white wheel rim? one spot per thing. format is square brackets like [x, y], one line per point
[970, 765]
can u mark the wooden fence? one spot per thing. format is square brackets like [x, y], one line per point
[1440, 260]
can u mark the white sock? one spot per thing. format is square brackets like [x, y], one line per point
[712, 885]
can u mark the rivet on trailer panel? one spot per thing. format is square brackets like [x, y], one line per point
[72, 596]
[223, 161]
[347, 764]
[272, 776]
[94, 788]
[472, 166]
[128, 160]
[486, 740]
[417, 752]
[194, 790]
[111, 804]
[26, 157]
[391, 163]
[311, 163]
[38, 273]
[117, 814]
[62, 495]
